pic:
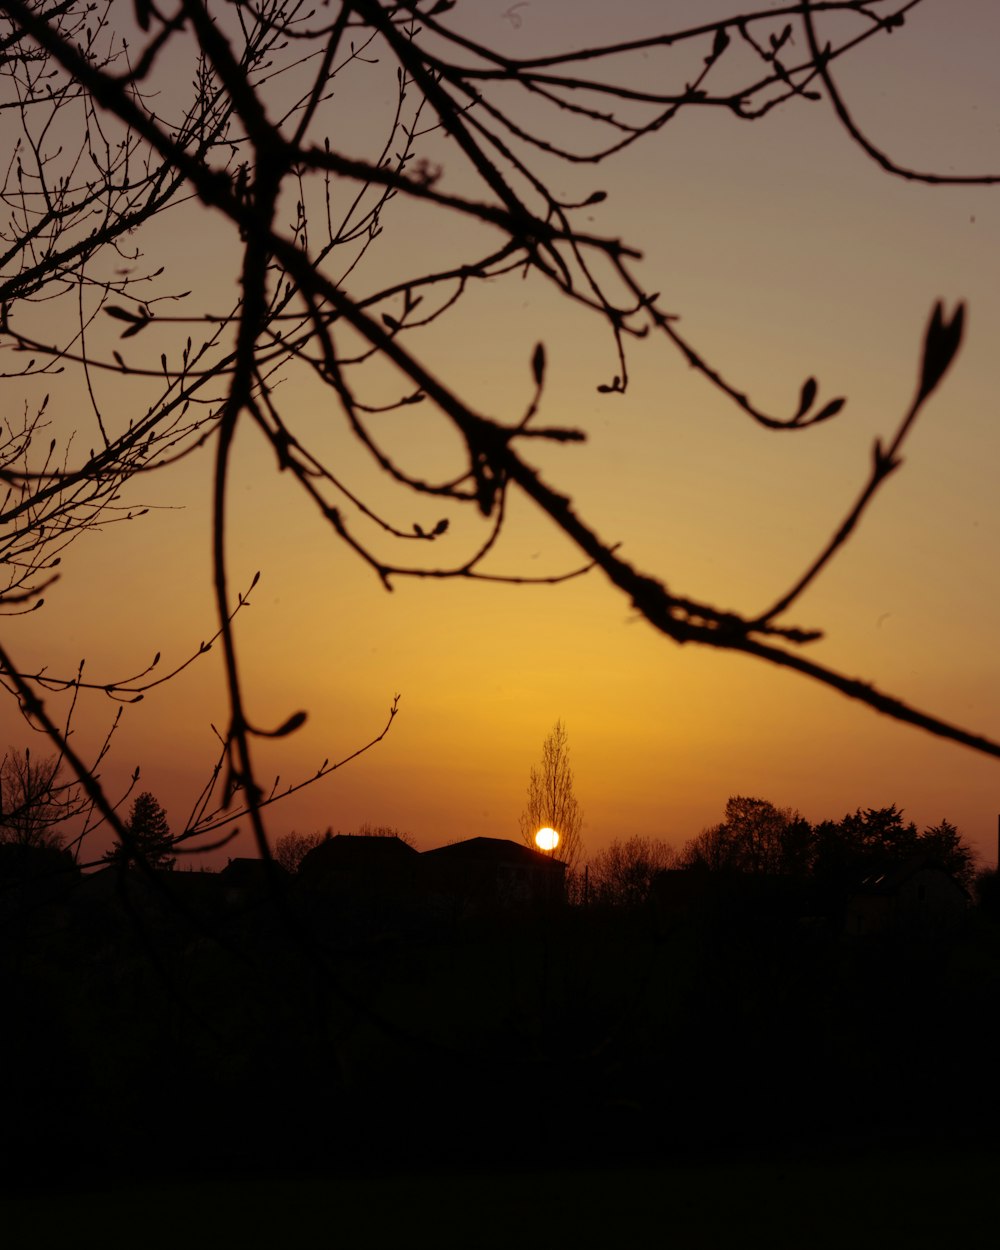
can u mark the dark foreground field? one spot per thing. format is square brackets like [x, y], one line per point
[876, 1200]
[184, 1069]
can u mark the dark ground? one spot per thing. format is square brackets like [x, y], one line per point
[875, 1200]
[180, 1070]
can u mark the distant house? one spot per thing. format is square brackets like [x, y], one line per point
[382, 882]
[248, 880]
[360, 866]
[486, 873]
[916, 891]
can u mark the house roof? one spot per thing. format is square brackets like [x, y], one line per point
[495, 851]
[347, 850]
[244, 870]
[891, 877]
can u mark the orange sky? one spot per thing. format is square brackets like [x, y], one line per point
[787, 253]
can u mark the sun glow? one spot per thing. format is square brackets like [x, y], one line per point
[546, 839]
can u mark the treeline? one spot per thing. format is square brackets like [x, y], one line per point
[173, 1021]
[756, 837]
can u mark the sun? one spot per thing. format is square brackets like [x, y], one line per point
[546, 839]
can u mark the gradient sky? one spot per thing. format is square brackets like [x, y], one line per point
[787, 253]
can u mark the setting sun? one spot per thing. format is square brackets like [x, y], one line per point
[546, 839]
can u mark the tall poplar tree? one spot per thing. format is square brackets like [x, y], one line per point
[551, 802]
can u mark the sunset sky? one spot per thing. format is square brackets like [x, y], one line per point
[787, 253]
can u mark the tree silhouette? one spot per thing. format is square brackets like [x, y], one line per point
[622, 874]
[75, 211]
[291, 848]
[755, 837]
[258, 146]
[147, 839]
[863, 841]
[947, 849]
[368, 830]
[81, 189]
[32, 800]
[550, 801]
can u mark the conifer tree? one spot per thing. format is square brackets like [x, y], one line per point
[151, 842]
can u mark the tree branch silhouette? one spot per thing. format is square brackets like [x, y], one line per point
[296, 308]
